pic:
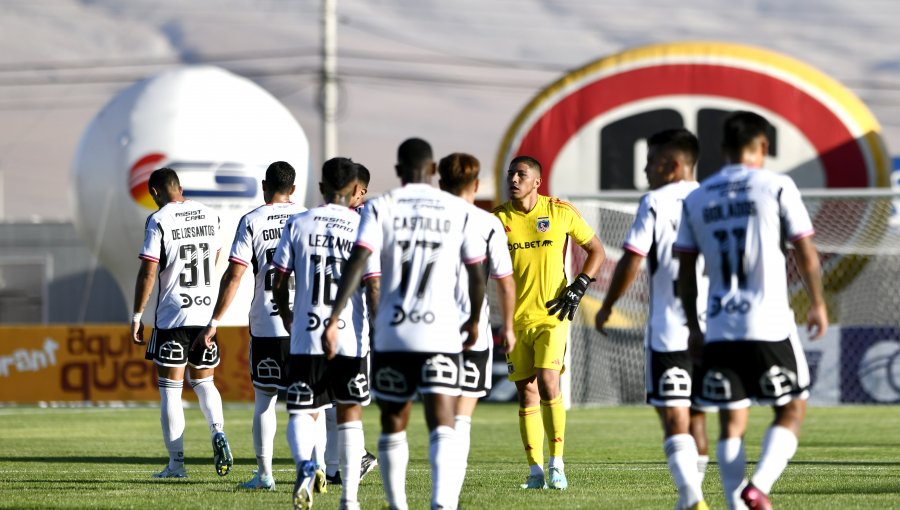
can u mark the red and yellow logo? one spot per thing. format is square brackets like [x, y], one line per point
[138, 177]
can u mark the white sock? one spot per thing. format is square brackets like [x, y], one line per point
[393, 458]
[778, 446]
[210, 403]
[557, 462]
[730, 453]
[332, 443]
[171, 417]
[442, 452]
[321, 438]
[463, 426]
[702, 462]
[300, 436]
[352, 447]
[265, 424]
[681, 454]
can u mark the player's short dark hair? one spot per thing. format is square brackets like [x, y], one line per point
[741, 128]
[414, 153]
[457, 171]
[163, 179]
[338, 172]
[362, 173]
[529, 161]
[280, 177]
[680, 140]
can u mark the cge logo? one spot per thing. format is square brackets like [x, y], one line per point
[589, 128]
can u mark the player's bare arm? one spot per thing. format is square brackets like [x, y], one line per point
[626, 270]
[280, 291]
[228, 288]
[476, 295]
[810, 272]
[687, 291]
[566, 304]
[373, 295]
[353, 272]
[506, 295]
[142, 289]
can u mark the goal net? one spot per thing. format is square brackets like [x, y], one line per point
[858, 239]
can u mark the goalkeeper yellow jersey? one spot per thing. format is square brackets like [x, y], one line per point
[537, 242]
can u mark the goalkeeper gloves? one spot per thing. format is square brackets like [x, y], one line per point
[566, 304]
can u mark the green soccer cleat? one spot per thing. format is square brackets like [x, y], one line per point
[221, 454]
[558, 479]
[259, 483]
[534, 482]
[320, 483]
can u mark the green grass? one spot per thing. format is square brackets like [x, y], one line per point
[101, 458]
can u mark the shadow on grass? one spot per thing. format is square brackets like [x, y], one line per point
[119, 460]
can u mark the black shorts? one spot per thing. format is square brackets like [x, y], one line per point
[268, 361]
[314, 382]
[396, 376]
[172, 348]
[734, 373]
[669, 379]
[475, 380]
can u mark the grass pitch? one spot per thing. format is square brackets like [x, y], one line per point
[849, 457]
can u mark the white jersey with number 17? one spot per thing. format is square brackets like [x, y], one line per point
[183, 237]
[739, 219]
[254, 245]
[419, 234]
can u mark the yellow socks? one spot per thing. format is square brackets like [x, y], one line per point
[532, 431]
[554, 416]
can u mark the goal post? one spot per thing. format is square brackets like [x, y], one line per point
[858, 241]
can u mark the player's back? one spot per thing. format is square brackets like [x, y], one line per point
[315, 245]
[487, 229]
[653, 236]
[254, 245]
[183, 238]
[417, 233]
[739, 218]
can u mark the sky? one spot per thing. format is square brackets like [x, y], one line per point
[455, 73]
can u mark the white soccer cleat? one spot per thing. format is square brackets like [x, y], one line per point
[170, 473]
[259, 483]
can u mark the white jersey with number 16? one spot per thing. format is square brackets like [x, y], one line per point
[419, 234]
[315, 245]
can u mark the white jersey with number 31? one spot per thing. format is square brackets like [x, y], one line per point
[419, 235]
[183, 237]
[739, 220]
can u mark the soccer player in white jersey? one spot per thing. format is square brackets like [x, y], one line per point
[254, 245]
[671, 157]
[739, 220]
[459, 176]
[314, 247]
[331, 455]
[181, 242]
[418, 235]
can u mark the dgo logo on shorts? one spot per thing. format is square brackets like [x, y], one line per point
[589, 128]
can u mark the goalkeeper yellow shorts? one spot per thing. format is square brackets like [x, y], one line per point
[543, 346]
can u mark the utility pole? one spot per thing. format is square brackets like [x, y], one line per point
[329, 89]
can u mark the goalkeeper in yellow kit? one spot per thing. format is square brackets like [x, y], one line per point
[538, 228]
